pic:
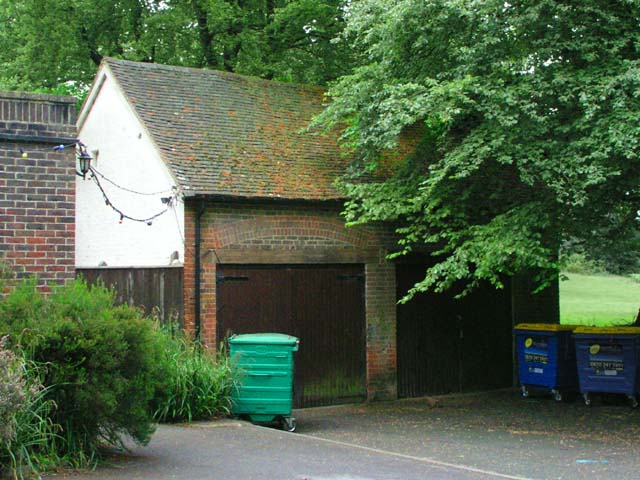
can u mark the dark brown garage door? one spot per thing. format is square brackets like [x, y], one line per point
[321, 305]
[447, 345]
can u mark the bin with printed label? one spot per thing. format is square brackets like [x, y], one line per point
[263, 363]
[546, 359]
[608, 361]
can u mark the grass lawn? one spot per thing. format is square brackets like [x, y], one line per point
[598, 300]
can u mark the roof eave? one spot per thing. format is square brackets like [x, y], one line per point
[246, 198]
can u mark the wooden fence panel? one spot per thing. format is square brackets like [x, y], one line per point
[158, 289]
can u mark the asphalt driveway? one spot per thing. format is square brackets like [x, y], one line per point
[483, 436]
[498, 431]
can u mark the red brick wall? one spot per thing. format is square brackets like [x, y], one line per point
[37, 193]
[382, 383]
[286, 233]
[188, 268]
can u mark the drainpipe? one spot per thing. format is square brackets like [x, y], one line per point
[198, 239]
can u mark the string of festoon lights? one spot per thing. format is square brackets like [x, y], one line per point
[84, 162]
[168, 201]
[125, 189]
[58, 148]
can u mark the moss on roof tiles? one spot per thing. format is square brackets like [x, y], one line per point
[227, 134]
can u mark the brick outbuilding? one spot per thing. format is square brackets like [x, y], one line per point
[254, 215]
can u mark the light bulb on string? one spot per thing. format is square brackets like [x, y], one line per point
[58, 148]
[148, 221]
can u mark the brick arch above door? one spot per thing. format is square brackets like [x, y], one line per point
[290, 231]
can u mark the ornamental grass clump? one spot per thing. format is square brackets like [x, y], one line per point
[27, 436]
[198, 385]
[13, 392]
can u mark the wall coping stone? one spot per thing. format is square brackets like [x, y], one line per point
[41, 97]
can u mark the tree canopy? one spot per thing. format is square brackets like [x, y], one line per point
[49, 43]
[528, 110]
[530, 113]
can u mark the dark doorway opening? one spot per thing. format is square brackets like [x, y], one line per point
[447, 345]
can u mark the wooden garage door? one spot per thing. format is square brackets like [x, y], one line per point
[447, 345]
[321, 305]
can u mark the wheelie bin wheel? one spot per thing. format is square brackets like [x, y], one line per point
[289, 424]
[587, 399]
[633, 401]
[557, 395]
[525, 391]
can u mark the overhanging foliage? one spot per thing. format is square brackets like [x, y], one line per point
[531, 112]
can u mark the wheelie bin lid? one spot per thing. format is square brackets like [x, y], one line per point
[545, 327]
[608, 330]
[264, 339]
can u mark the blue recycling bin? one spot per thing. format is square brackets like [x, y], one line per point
[608, 361]
[546, 359]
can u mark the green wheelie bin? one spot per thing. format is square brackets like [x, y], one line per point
[264, 370]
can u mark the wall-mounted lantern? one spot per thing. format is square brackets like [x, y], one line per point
[84, 160]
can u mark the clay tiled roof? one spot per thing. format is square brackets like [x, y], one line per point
[227, 134]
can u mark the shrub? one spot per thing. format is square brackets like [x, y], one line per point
[100, 363]
[198, 385]
[579, 262]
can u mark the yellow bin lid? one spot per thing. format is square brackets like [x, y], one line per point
[545, 327]
[608, 330]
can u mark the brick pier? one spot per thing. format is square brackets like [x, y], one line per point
[37, 186]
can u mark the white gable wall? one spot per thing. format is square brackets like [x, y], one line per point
[129, 158]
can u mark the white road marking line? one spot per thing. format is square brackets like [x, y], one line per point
[428, 460]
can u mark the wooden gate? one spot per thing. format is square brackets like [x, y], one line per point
[447, 345]
[321, 305]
